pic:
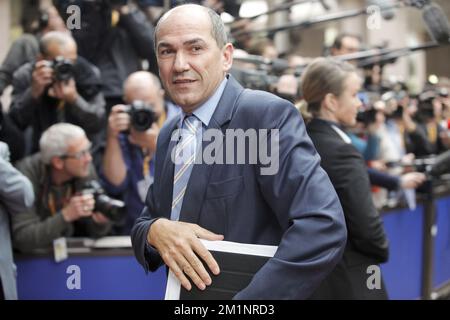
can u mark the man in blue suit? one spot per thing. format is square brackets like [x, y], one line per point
[295, 208]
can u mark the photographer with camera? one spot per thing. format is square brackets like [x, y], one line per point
[429, 118]
[63, 207]
[35, 23]
[116, 37]
[59, 87]
[128, 168]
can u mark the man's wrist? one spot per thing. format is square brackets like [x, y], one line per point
[149, 237]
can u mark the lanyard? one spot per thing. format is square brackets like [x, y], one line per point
[52, 202]
[146, 164]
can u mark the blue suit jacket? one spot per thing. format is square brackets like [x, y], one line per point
[296, 209]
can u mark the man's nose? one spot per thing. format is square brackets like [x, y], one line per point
[88, 157]
[181, 63]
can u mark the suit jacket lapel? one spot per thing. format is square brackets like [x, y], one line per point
[167, 174]
[198, 181]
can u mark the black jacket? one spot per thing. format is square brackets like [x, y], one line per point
[117, 51]
[366, 241]
[88, 111]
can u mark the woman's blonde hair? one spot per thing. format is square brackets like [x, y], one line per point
[323, 76]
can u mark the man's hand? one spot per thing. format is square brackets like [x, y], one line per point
[99, 218]
[64, 90]
[412, 180]
[179, 246]
[41, 78]
[146, 139]
[79, 207]
[118, 121]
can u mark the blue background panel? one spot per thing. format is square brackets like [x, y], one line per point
[441, 270]
[102, 277]
[403, 272]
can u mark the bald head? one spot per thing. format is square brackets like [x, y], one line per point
[58, 43]
[193, 12]
[142, 80]
[144, 86]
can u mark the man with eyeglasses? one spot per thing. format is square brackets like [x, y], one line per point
[58, 173]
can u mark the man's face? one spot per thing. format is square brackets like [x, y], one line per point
[349, 45]
[149, 94]
[191, 64]
[68, 52]
[78, 158]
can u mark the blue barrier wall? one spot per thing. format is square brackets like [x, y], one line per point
[109, 276]
[403, 272]
[441, 261]
[102, 277]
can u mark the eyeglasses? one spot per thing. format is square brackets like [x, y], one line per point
[79, 155]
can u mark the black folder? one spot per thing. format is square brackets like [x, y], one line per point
[238, 263]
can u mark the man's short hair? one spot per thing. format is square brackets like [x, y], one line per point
[337, 44]
[54, 141]
[60, 38]
[218, 31]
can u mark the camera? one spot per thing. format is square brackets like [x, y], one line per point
[63, 69]
[111, 208]
[366, 116]
[142, 115]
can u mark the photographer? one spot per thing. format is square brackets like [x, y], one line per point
[429, 116]
[131, 143]
[115, 37]
[58, 175]
[59, 87]
[26, 47]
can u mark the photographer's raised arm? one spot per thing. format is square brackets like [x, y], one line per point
[24, 98]
[89, 113]
[139, 30]
[114, 168]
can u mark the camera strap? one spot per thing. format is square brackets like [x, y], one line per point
[146, 164]
[55, 204]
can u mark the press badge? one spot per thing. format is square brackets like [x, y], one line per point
[60, 249]
[143, 186]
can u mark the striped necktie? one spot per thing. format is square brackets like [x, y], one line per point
[185, 153]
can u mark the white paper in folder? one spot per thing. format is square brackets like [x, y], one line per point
[173, 288]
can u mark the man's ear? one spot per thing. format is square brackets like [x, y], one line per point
[161, 93]
[57, 163]
[227, 52]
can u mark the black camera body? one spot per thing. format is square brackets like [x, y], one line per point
[367, 116]
[63, 69]
[111, 208]
[142, 115]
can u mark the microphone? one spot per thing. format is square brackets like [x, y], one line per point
[436, 23]
[325, 6]
[276, 65]
[386, 8]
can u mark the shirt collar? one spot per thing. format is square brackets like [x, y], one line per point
[339, 129]
[205, 111]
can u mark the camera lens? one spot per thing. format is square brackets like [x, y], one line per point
[142, 115]
[111, 208]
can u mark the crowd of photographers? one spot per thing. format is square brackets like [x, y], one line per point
[87, 107]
